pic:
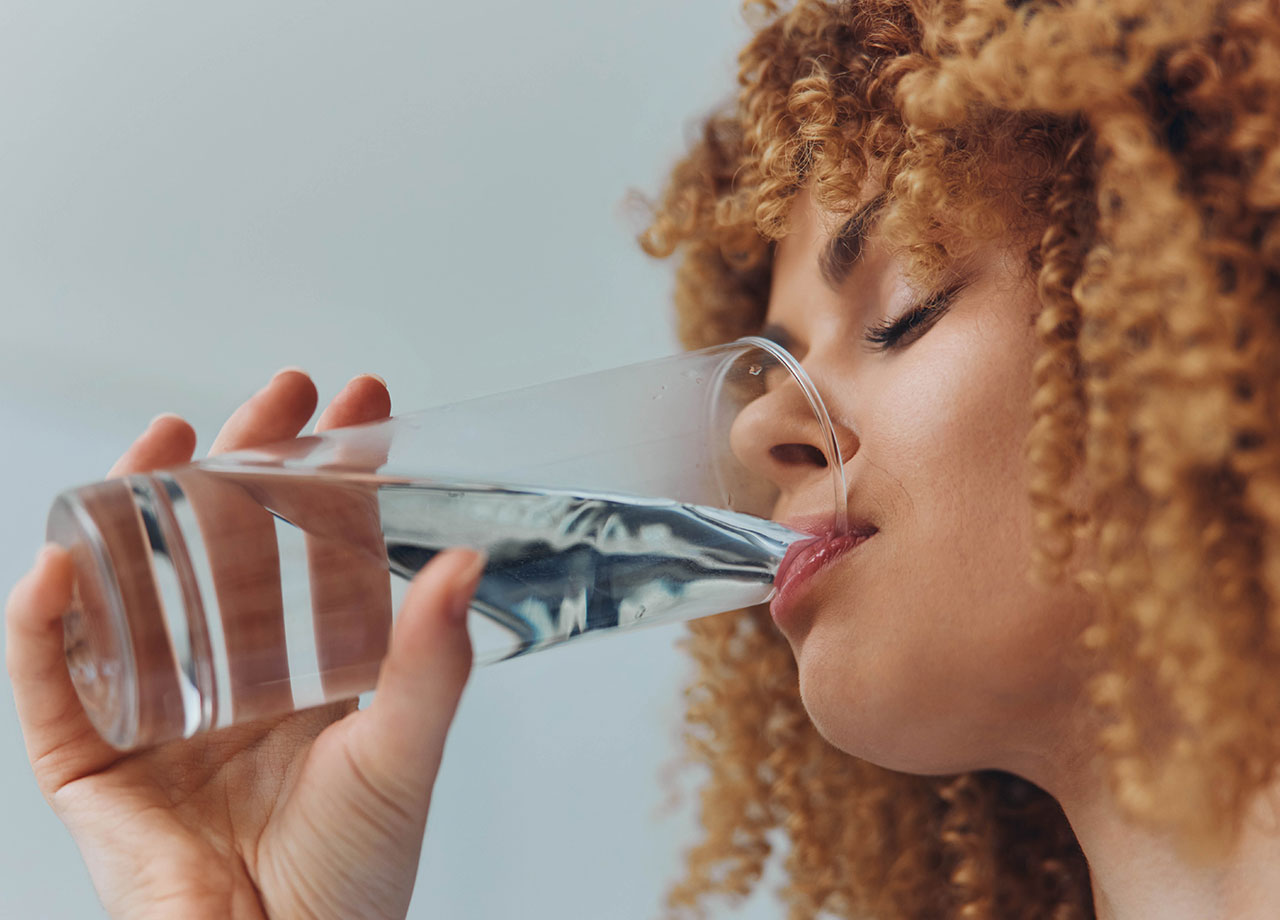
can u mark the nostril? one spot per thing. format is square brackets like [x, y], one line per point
[791, 454]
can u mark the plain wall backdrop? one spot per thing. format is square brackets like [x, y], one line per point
[194, 195]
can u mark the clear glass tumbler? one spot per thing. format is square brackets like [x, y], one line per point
[261, 581]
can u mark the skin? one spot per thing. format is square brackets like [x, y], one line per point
[317, 814]
[928, 649]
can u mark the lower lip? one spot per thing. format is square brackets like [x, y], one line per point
[796, 579]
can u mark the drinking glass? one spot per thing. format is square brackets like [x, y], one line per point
[264, 580]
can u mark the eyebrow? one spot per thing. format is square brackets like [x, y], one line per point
[844, 249]
[836, 260]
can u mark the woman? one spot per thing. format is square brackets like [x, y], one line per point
[1028, 252]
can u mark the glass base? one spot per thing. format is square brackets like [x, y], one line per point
[98, 647]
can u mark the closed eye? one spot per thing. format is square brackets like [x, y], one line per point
[890, 335]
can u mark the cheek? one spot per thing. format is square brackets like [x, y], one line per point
[953, 445]
[959, 414]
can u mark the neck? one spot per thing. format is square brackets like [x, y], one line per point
[1136, 873]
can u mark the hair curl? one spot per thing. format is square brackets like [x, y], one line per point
[1133, 144]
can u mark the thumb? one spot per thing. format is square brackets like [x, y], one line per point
[399, 738]
[352, 828]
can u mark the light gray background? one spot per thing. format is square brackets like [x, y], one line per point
[193, 195]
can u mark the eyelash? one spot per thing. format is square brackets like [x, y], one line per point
[886, 335]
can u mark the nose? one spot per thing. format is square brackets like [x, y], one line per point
[779, 437]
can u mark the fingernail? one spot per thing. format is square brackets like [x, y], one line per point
[375, 377]
[466, 581]
[45, 552]
[289, 368]
[163, 415]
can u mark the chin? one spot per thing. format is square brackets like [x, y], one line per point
[872, 728]
[833, 707]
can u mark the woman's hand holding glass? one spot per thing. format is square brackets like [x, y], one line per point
[317, 813]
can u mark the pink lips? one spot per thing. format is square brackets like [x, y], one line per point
[805, 558]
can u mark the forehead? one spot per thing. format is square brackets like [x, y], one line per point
[806, 214]
[807, 230]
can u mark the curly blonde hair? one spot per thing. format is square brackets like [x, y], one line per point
[1133, 144]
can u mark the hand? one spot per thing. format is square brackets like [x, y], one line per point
[319, 813]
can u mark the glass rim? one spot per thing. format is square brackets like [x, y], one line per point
[831, 448]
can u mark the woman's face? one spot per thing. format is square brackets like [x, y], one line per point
[926, 649]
